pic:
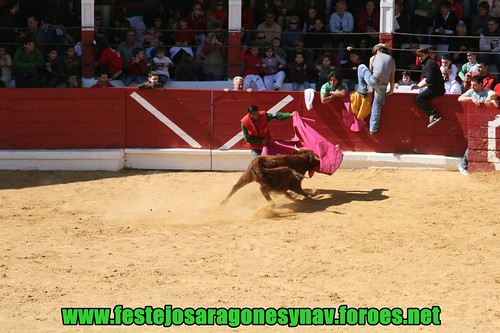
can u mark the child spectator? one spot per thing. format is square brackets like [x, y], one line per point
[298, 48]
[5, 66]
[184, 40]
[53, 75]
[350, 69]
[324, 69]
[150, 40]
[328, 50]
[299, 72]
[72, 62]
[469, 67]
[73, 81]
[102, 81]
[273, 69]
[185, 70]
[278, 50]
[405, 80]
[310, 19]
[161, 63]
[136, 67]
[450, 72]
[153, 82]
[253, 67]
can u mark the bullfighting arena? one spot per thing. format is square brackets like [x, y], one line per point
[371, 238]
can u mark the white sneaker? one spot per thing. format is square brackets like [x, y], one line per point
[463, 171]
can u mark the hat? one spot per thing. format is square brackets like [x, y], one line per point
[378, 47]
[423, 50]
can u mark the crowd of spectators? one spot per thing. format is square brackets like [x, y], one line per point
[283, 41]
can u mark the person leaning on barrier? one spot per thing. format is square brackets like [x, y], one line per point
[333, 88]
[153, 82]
[238, 84]
[477, 95]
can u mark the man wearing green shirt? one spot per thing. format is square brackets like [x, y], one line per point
[255, 127]
[333, 88]
[28, 62]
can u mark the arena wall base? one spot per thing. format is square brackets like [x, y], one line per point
[238, 160]
[168, 159]
[360, 160]
[95, 159]
[195, 159]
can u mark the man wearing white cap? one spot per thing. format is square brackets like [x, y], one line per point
[381, 73]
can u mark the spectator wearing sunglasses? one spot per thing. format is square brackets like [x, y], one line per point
[291, 33]
[217, 15]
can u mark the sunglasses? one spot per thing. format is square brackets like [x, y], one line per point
[293, 23]
[261, 37]
[220, 4]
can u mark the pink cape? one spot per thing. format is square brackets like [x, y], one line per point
[330, 155]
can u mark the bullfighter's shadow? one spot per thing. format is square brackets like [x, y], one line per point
[323, 199]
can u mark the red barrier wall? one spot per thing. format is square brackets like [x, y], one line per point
[188, 109]
[403, 128]
[115, 118]
[62, 119]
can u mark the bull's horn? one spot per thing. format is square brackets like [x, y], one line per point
[296, 148]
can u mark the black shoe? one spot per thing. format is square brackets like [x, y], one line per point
[362, 94]
[373, 132]
[433, 120]
[276, 88]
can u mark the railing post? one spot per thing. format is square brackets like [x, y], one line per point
[234, 38]
[88, 67]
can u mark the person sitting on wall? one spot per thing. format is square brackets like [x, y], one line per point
[433, 80]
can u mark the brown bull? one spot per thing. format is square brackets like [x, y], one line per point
[278, 173]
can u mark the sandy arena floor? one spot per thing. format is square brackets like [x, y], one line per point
[375, 238]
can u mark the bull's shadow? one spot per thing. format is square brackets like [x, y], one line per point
[324, 199]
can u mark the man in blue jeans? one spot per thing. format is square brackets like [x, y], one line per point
[381, 72]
